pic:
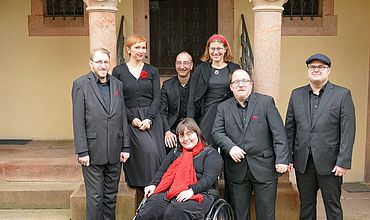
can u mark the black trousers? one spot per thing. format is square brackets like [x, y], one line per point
[101, 184]
[330, 185]
[264, 197]
[159, 207]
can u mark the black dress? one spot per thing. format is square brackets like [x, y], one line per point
[142, 99]
[209, 87]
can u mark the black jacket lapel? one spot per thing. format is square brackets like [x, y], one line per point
[306, 103]
[114, 92]
[251, 104]
[235, 113]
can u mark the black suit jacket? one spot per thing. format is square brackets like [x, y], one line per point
[330, 135]
[101, 133]
[199, 86]
[170, 102]
[262, 138]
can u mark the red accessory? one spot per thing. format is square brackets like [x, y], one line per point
[143, 74]
[181, 174]
[219, 38]
[254, 118]
[117, 92]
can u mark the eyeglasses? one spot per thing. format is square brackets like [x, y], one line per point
[186, 135]
[185, 63]
[241, 81]
[218, 49]
[101, 62]
[319, 67]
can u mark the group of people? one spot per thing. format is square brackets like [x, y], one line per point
[167, 138]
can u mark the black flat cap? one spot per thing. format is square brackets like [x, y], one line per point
[319, 57]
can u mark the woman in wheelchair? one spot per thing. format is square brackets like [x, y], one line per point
[185, 186]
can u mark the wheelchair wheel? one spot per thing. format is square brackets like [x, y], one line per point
[220, 210]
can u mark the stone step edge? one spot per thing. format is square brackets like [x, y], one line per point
[19, 186]
[35, 214]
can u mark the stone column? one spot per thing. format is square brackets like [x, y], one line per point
[102, 25]
[267, 43]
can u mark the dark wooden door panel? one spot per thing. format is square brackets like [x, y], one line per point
[177, 25]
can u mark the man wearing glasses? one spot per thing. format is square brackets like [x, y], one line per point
[249, 129]
[320, 127]
[100, 134]
[174, 98]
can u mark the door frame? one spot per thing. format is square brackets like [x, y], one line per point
[225, 21]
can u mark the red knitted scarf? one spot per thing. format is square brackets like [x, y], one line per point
[181, 174]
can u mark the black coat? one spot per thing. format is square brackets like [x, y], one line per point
[262, 138]
[101, 133]
[330, 135]
[170, 102]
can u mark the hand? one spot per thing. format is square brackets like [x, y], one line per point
[84, 161]
[237, 153]
[148, 191]
[339, 171]
[170, 139]
[185, 195]
[290, 167]
[124, 157]
[136, 122]
[281, 168]
[145, 124]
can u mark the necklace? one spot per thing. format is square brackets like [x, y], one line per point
[217, 72]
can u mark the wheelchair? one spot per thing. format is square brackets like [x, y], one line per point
[220, 210]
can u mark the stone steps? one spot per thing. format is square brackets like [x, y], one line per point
[125, 206]
[35, 214]
[39, 161]
[36, 195]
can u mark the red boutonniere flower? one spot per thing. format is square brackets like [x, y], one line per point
[254, 119]
[143, 74]
[117, 92]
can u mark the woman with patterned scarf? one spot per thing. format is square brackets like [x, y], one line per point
[184, 187]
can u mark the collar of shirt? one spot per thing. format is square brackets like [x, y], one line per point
[310, 91]
[185, 86]
[238, 104]
[97, 80]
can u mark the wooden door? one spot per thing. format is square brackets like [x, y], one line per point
[178, 25]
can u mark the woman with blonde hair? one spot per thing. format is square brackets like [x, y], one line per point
[141, 89]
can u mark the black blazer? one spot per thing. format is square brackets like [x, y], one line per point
[170, 102]
[101, 133]
[262, 138]
[199, 86]
[330, 135]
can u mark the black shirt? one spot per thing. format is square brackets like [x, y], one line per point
[315, 101]
[184, 97]
[104, 90]
[243, 111]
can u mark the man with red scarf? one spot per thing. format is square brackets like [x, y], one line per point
[185, 185]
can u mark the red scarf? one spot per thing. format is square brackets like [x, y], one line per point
[181, 174]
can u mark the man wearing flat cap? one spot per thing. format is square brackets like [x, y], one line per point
[320, 127]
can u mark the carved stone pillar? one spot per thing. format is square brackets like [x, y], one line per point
[102, 25]
[267, 44]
